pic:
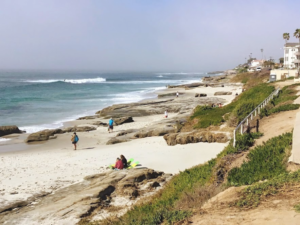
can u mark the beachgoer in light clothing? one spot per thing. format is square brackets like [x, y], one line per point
[110, 125]
[177, 94]
[166, 114]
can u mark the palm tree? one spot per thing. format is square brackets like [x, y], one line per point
[286, 37]
[297, 34]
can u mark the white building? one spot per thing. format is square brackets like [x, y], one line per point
[291, 55]
[255, 63]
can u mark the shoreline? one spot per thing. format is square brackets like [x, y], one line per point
[51, 165]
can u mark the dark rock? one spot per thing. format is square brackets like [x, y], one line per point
[200, 95]
[6, 130]
[99, 123]
[123, 120]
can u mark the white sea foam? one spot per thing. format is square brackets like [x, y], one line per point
[160, 76]
[192, 73]
[4, 139]
[73, 81]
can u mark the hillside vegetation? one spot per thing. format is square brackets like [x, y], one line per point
[187, 191]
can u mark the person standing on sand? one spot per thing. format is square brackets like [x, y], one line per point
[74, 140]
[166, 114]
[110, 125]
[177, 94]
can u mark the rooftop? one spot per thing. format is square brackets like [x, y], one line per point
[291, 44]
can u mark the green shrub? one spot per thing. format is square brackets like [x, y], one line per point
[252, 195]
[243, 143]
[282, 108]
[243, 109]
[297, 208]
[243, 105]
[265, 161]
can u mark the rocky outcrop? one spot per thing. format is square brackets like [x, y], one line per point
[172, 94]
[115, 140]
[100, 123]
[88, 117]
[79, 129]
[78, 201]
[223, 93]
[154, 132]
[152, 107]
[159, 129]
[195, 137]
[6, 130]
[45, 135]
[122, 120]
[201, 95]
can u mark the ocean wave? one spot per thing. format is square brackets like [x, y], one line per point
[192, 73]
[160, 76]
[72, 81]
[4, 139]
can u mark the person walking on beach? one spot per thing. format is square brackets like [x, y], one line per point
[166, 114]
[177, 94]
[74, 140]
[110, 125]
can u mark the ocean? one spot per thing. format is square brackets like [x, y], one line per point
[43, 100]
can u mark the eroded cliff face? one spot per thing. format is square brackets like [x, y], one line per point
[94, 197]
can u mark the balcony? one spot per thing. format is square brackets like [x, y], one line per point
[297, 53]
[296, 61]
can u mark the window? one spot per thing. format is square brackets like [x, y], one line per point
[286, 51]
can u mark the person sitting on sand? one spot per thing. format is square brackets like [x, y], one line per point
[124, 160]
[119, 164]
[110, 125]
[74, 140]
[166, 114]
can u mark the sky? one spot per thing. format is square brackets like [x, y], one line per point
[142, 35]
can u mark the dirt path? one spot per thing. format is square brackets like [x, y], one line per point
[276, 210]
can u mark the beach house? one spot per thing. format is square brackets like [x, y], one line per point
[291, 55]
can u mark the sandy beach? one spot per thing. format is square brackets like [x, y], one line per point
[26, 169]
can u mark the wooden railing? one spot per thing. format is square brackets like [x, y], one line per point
[244, 124]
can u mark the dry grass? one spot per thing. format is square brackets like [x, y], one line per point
[252, 79]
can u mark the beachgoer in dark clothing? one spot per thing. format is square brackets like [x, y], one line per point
[74, 140]
[110, 125]
[124, 160]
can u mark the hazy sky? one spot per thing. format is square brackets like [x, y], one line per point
[142, 35]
